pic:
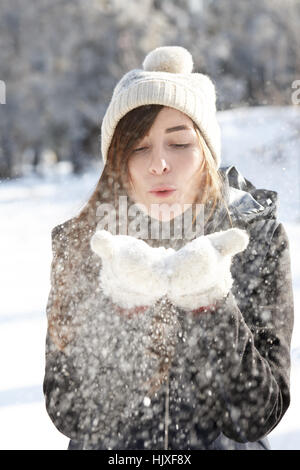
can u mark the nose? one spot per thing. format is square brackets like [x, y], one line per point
[159, 165]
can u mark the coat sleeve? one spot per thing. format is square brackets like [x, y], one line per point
[243, 367]
[93, 385]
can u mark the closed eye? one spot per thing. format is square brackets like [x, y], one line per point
[172, 145]
[181, 145]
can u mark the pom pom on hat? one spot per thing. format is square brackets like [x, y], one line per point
[172, 59]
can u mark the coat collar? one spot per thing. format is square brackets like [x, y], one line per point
[244, 200]
[246, 204]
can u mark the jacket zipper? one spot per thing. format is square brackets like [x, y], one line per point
[167, 414]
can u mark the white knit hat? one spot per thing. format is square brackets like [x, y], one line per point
[166, 79]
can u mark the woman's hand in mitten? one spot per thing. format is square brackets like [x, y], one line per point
[128, 274]
[200, 271]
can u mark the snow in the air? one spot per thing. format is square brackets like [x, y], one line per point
[264, 145]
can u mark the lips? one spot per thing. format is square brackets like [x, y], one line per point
[162, 189]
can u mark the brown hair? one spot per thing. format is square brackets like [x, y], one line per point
[129, 131]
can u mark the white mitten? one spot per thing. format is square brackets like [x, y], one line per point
[200, 271]
[131, 273]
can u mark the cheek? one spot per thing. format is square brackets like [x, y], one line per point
[190, 164]
[136, 170]
[132, 168]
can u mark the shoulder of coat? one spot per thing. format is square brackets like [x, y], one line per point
[65, 228]
[74, 233]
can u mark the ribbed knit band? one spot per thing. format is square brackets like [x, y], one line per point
[190, 93]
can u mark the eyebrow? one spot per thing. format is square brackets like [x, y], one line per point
[177, 128]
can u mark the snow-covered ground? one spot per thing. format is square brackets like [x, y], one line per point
[32, 206]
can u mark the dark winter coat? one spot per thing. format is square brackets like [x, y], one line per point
[229, 384]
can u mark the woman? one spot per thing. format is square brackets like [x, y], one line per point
[170, 313]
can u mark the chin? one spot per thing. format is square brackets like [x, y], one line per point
[167, 216]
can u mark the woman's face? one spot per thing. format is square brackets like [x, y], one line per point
[169, 155]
